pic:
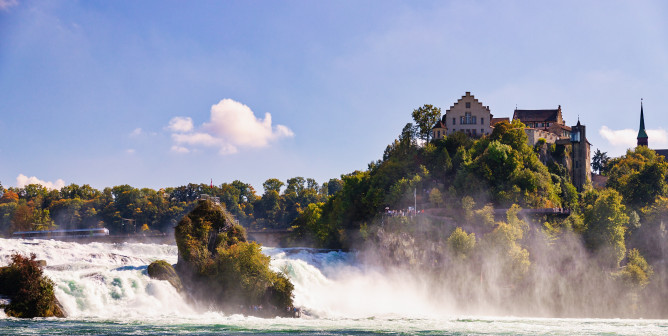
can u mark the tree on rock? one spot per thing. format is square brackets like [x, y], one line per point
[220, 268]
[31, 293]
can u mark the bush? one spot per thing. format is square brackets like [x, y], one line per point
[31, 293]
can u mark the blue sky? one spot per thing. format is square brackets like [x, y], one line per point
[163, 93]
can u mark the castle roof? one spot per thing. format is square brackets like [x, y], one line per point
[537, 115]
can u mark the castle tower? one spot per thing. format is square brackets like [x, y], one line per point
[642, 135]
[580, 156]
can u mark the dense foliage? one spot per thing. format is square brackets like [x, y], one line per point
[220, 268]
[125, 209]
[30, 292]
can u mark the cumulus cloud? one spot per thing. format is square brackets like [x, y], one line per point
[180, 124]
[22, 181]
[628, 137]
[232, 125]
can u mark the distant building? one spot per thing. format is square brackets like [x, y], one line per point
[467, 115]
[546, 124]
[643, 139]
[470, 116]
[642, 135]
[580, 157]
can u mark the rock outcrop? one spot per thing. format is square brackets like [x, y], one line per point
[162, 270]
[220, 268]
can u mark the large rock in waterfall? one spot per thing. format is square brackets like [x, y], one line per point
[162, 270]
[220, 268]
[30, 293]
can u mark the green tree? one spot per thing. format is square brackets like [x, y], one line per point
[640, 176]
[425, 118]
[606, 222]
[599, 161]
[435, 197]
[333, 186]
[461, 243]
[273, 184]
[637, 272]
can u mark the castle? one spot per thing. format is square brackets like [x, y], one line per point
[470, 116]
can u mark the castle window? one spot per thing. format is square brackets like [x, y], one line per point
[482, 121]
[482, 131]
[474, 120]
[453, 121]
[467, 119]
[468, 105]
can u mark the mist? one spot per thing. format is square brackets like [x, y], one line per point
[414, 270]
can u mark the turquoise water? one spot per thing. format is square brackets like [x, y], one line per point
[399, 326]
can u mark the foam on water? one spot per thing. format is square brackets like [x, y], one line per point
[107, 285]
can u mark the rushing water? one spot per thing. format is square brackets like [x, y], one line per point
[105, 291]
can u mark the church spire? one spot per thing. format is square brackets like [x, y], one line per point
[642, 135]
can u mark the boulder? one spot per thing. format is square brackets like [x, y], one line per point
[162, 270]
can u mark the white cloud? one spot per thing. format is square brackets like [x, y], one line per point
[130, 151]
[180, 124]
[232, 125]
[7, 4]
[657, 137]
[180, 149]
[22, 181]
[137, 132]
[628, 138]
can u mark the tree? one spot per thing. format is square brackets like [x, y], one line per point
[599, 161]
[425, 118]
[637, 271]
[606, 222]
[272, 184]
[461, 243]
[639, 176]
[435, 197]
[333, 186]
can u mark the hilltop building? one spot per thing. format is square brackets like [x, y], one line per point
[545, 124]
[580, 156]
[470, 116]
[467, 115]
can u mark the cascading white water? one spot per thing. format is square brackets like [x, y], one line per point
[109, 280]
[106, 285]
[103, 280]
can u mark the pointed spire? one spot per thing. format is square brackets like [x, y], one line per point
[642, 135]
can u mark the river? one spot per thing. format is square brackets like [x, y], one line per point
[105, 291]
